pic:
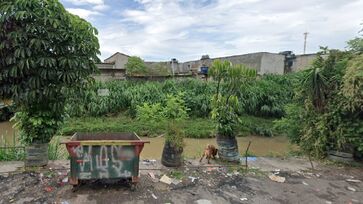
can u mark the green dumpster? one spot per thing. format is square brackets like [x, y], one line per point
[104, 156]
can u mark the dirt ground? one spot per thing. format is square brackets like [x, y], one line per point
[193, 183]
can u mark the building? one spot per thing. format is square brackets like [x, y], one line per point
[112, 68]
[263, 62]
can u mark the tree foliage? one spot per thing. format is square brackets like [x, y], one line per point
[327, 111]
[230, 78]
[135, 66]
[44, 50]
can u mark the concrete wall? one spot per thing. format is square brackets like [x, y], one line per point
[262, 62]
[110, 74]
[105, 66]
[252, 60]
[118, 59]
[272, 64]
[302, 62]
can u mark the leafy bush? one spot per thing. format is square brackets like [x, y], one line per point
[135, 66]
[268, 95]
[175, 107]
[327, 112]
[174, 112]
[149, 112]
[264, 97]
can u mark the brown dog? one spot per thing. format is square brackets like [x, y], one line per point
[209, 152]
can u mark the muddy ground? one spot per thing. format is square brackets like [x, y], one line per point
[194, 183]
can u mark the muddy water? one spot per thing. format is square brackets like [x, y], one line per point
[6, 133]
[261, 146]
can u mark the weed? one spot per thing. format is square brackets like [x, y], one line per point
[177, 174]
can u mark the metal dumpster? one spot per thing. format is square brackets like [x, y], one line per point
[104, 156]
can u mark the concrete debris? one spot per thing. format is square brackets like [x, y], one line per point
[354, 180]
[355, 201]
[328, 202]
[152, 175]
[243, 199]
[175, 181]
[203, 201]
[65, 180]
[306, 184]
[166, 179]
[230, 194]
[278, 179]
[192, 178]
[276, 171]
[351, 189]
[154, 196]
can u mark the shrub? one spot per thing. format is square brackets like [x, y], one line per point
[135, 66]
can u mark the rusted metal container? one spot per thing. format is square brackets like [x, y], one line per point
[104, 156]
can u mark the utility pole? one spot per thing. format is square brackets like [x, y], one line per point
[305, 37]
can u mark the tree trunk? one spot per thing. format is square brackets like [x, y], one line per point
[228, 148]
[36, 155]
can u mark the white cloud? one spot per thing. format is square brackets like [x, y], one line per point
[101, 7]
[164, 29]
[83, 13]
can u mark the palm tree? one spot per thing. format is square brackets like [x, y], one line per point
[315, 84]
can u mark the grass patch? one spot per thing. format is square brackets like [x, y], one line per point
[57, 151]
[193, 127]
[10, 153]
[176, 174]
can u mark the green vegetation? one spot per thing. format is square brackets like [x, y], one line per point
[230, 78]
[327, 111]
[135, 66]
[265, 97]
[177, 174]
[193, 127]
[56, 151]
[173, 113]
[10, 153]
[44, 50]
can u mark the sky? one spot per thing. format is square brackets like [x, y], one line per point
[159, 30]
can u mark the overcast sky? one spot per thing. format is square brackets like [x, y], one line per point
[186, 30]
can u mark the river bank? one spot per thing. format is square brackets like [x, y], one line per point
[196, 183]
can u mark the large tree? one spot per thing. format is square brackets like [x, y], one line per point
[44, 51]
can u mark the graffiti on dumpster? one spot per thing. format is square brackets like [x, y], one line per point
[104, 160]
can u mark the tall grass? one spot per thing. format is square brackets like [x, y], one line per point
[265, 97]
[56, 151]
[16, 152]
[11, 152]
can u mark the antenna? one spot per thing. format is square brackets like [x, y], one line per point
[305, 37]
